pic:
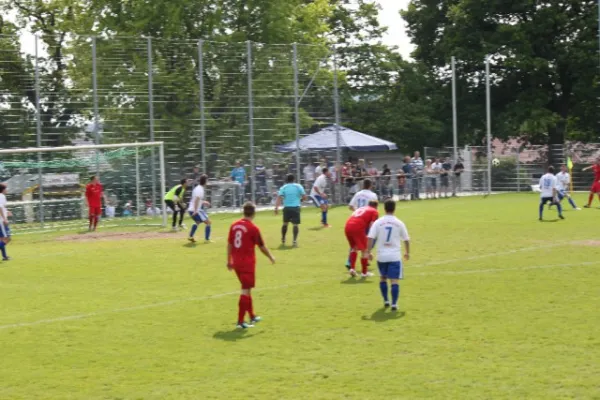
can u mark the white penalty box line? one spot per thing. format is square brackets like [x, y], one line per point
[310, 282]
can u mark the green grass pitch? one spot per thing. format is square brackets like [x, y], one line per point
[494, 305]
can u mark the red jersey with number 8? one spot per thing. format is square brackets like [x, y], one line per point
[244, 236]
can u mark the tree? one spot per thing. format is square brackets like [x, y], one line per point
[542, 56]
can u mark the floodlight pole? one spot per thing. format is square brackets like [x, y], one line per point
[297, 113]
[336, 103]
[202, 113]
[488, 102]
[454, 114]
[38, 121]
[251, 121]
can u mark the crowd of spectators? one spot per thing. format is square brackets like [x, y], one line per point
[414, 180]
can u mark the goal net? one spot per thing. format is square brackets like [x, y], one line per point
[46, 186]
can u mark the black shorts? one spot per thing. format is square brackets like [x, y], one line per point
[171, 205]
[291, 214]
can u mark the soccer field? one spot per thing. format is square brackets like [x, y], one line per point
[494, 305]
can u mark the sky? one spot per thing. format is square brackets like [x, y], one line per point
[390, 16]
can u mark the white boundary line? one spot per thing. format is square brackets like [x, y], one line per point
[216, 296]
[500, 253]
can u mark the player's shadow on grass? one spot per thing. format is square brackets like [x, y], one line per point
[235, 335]
[355, 281]
[190, 245]
[550, 220]
[316, 228]
[383, 315]
[284, 247]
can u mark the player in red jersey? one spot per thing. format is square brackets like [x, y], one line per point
[357, 227]
[94, 192]
[596, 185]
[243, 237]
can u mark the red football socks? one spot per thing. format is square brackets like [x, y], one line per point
[353, 257]
[251, 308]
[244, 305]
[590, 199]
[364, 262]
[95, 221]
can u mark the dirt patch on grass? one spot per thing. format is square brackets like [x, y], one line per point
[590, 243]
[95, 236]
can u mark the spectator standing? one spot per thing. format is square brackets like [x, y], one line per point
[436, 166]
[401, 180]
[319, 168]
[386, 182]
[373, 174]
[458, 170]
[238, 175]
[417, 171]
[195, 175]
[430, 179]
[334, 179]
[445, 177]
[260, 174]
[347, 180]
[407, 169]
[309, 176]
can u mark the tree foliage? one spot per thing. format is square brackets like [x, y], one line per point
[543, 57]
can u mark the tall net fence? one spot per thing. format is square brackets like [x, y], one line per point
[238, 112]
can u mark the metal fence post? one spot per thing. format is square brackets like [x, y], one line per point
[297, 113]
[138, 204]
[163, 189]
[38, 122]
[95, 95]
[251, 120]
[488, 103]
[454, 115]
[151, 120]
[202, 114]
[518, 164]
[336, 104]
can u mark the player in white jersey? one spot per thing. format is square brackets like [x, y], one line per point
[549, 192]
[4, 227]
[363, 197]
[389, 233]
[563, 181]
[196, 210]
[318, 195]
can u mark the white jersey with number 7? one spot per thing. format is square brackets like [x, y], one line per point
[389, 233]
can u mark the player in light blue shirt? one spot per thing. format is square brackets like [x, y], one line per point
[292, 195]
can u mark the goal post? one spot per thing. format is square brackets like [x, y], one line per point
[46, 185]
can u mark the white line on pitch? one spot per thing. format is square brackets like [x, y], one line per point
[500, 253]
[216, 296]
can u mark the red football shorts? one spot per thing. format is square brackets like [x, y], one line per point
[247, 278]
[95, 211]
[596, 187]
[357, 238]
